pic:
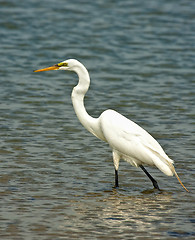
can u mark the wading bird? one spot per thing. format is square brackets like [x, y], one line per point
[128, 140]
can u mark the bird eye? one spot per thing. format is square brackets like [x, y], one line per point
[62, 64]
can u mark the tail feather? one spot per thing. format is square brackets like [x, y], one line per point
[173, 169]
[169, 171]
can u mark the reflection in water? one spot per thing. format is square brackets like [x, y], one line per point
[119, 212]
[138, 212]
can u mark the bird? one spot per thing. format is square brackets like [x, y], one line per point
[127, 139]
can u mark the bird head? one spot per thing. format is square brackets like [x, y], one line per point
[69, 64]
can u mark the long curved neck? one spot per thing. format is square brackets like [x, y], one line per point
[78, 95]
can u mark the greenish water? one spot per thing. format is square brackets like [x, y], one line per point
[56, 178]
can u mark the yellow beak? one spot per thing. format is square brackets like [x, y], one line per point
[54, 67]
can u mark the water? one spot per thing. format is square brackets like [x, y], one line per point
[56, 178]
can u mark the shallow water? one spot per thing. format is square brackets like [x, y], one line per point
[56, 178]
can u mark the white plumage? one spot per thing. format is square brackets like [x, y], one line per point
[127, 139]
[132, 143]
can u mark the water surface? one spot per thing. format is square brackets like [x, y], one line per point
[56, 178]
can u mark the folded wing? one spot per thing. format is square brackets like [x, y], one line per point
[133, 143]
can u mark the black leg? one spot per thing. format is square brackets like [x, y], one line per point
[154, 182]
[116, 179]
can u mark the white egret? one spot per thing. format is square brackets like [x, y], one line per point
[128, 141]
